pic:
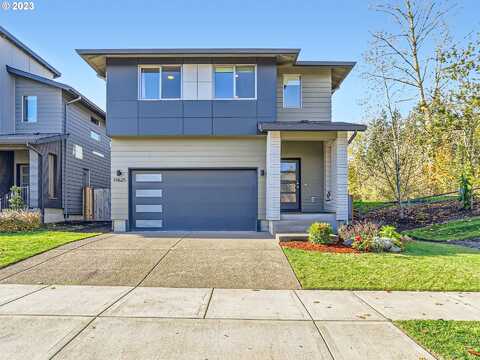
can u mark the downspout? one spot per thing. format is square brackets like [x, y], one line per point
[40, 177]
[354, 135]
[64, 156]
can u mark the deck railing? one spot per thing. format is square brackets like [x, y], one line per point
[5, 198]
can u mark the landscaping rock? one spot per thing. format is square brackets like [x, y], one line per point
[395, 249]
[348, 242]
[382, 243]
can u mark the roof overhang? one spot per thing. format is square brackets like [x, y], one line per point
[33, 139]
[5, 34]
[97, 58]
[340, 69]
[309, 126]
[86, 102]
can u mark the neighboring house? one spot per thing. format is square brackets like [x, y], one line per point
[52, 139]
[223, 139]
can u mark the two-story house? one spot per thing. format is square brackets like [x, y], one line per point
[223, 139]
[52, 139]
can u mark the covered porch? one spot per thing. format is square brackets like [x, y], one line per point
[307, 174]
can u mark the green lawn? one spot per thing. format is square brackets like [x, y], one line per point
[452, 230]
[364, 206]
[19, 246]
[423, 266]
[445, 339]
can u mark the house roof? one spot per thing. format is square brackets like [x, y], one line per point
[24, 139]
[310, 126]
[5, 34]
[97, 58]
[85, 101]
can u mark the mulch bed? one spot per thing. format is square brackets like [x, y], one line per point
[418, 215]
[306, 245]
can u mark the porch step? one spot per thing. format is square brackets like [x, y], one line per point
[291, 236]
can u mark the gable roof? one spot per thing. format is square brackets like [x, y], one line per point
[85, 101]
[5, 34]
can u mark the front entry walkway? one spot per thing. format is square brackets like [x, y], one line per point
[111, 322]
[197, 260]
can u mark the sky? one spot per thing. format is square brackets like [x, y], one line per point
[324, 30]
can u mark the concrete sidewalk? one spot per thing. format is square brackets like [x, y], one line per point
[92, 322]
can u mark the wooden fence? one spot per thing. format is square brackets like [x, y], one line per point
[96, 204]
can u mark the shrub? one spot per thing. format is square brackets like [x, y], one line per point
[16, 201]
[13, 221]
[389, 231]
[319, 233]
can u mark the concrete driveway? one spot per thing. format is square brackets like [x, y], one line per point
[180, 260]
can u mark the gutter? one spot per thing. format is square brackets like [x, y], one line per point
[64, 155]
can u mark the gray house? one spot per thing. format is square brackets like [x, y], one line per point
[224, 139]
[52, 139]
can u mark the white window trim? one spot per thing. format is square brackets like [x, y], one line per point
[159, 67]
[234, 81]
[301, 91]
[25, 121]
[99, 154]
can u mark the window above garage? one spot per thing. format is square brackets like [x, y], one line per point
[160, 82]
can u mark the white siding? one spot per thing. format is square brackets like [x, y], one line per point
[341, 170]
[316, 96]
[201, 152]
[274, 145]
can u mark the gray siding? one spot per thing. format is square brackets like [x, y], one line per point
[78, 130]
[54, 148]
[13, 56]
[50, 107]
[316, 96]
[129, 116]
[312, 176]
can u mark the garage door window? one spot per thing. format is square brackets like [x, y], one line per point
[149, 223]
[149, 193]
[148, 177]
[149, 208]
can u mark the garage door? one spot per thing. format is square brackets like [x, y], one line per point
[194, 200]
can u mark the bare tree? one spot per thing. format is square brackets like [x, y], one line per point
[409, 55]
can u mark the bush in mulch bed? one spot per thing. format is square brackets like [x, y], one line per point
[328, 248]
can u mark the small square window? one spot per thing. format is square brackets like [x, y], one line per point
[77, 152]
[292, 91]
[94, 135]
[30, 109]
[95, 121]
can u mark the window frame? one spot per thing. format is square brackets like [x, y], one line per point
[74, 153]
[283, 91]
[99, 139]
[95, 121]
[52, 177]
[25, 121]
[234, 81]
[160, 68]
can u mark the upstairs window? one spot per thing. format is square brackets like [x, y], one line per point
[160, 82]
[292, 92]
[94, 121]
[77, 151]
[30, 109]
[235, 82]
[94, 135]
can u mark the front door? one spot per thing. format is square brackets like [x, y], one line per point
[290, 185]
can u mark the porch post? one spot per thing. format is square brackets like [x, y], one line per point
[341, 177]
[34, 172]
[274, 143]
